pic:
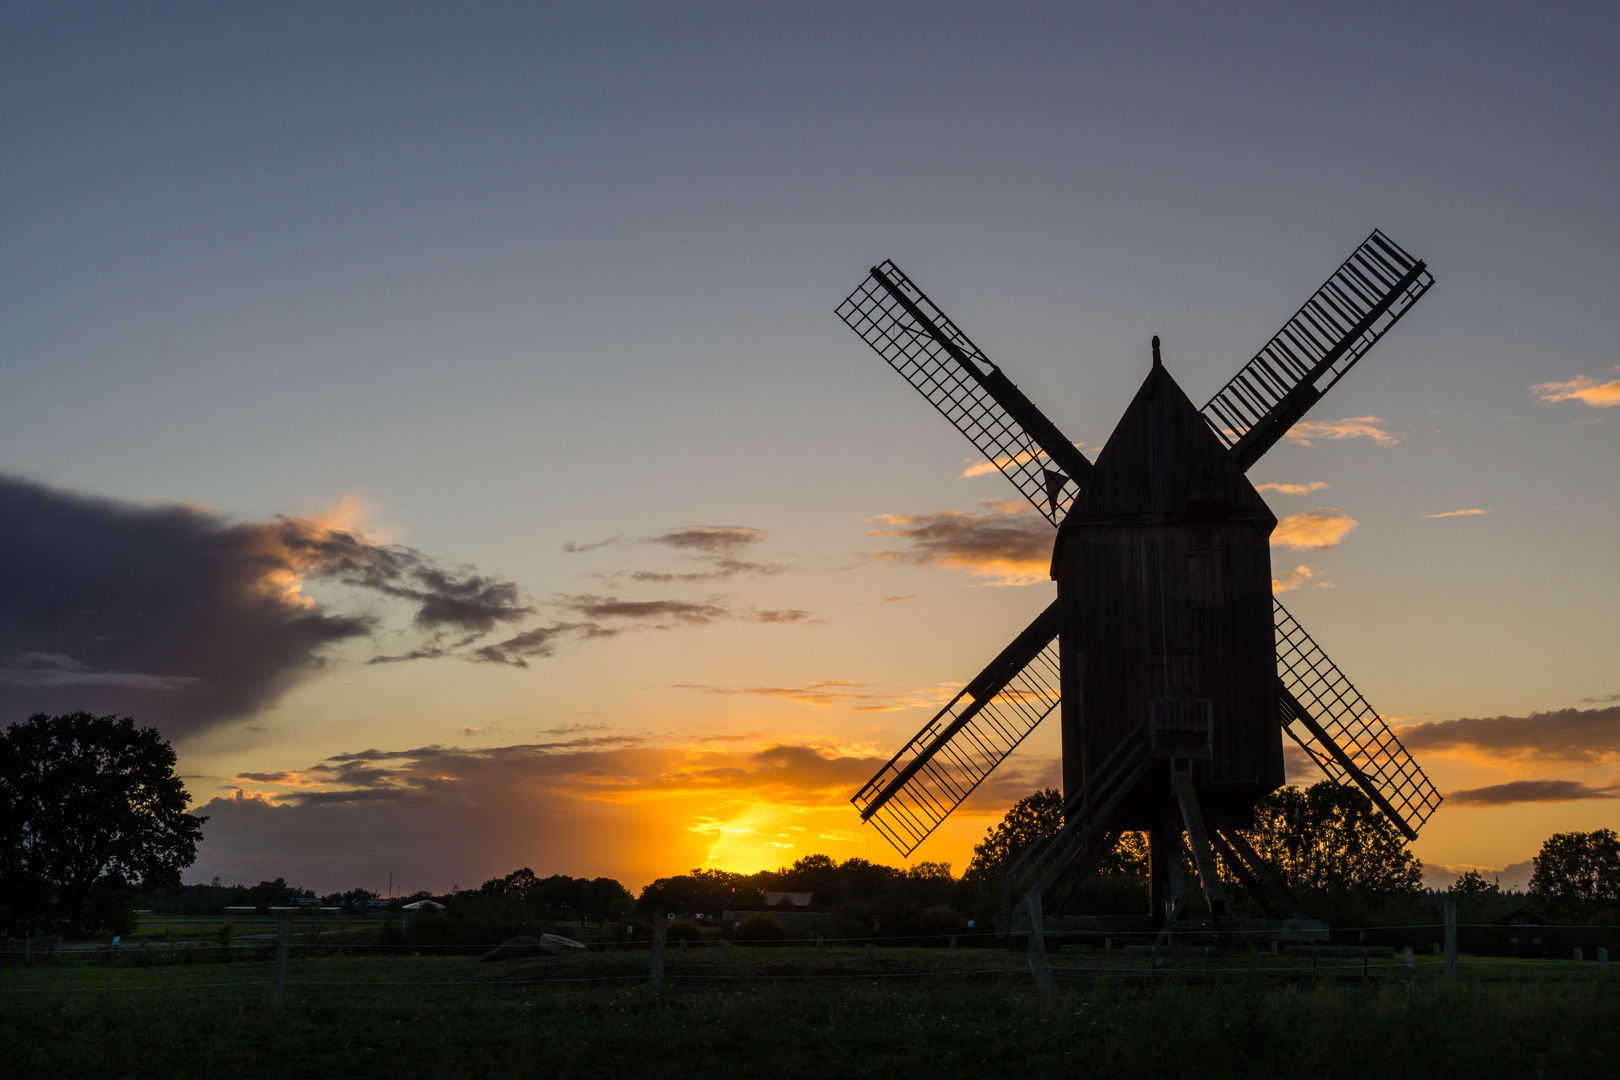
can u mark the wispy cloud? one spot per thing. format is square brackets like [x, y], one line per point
[1582, 388]
[609, 616]
[1296, 578]
[1293, 489]
[1313, 529]
[718, 548]
[1532, 791]
[830, 693]
[1351, 427]
[1011, 544]
[1458, 513]
[984, 467]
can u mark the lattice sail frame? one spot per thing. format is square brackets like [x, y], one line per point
[957, 749]
[1329, 327]
[884, 324]
[1316, 682]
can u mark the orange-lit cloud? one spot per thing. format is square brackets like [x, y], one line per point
[1292, 579]
[983, 468]
[1293, 489]
[629, 806]
[1458, 513]
[1351, 427]
[1582, 388]
[1011, 544]
[1312, 529]
[1532, 791]
[1568, 738]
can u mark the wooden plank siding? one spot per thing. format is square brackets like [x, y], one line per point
[1163, 567]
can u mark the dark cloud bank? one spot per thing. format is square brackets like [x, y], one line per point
[185, 619]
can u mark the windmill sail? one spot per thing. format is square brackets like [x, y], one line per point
[1323, 712]
[916, 339]
[1366, 296]
[968, 738]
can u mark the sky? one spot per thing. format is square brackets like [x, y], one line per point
[433, 419]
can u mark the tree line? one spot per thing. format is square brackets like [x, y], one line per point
[93, 820]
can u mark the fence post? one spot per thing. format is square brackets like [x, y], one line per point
[1406, 953]
[660, 929]
[1451, 941]
[871, 950]
[1037, 947]
[278, 986]
[1603, 959]
[725, 948]
[1577, 952]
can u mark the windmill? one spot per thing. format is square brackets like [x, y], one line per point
[1174, 669]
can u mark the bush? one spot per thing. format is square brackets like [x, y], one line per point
[943, 920]
[760, 928]
[684, 930]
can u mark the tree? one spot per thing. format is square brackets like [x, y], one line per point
[1332, 838]
[1578, 868]
[1471, 885]
[89, 807]
[1028, 819]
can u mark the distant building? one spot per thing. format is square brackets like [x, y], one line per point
[424, 906]
[794, 899]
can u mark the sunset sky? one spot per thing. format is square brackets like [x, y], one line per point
[433, 418]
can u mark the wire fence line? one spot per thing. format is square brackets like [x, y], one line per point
[258, 942]
[1151, 967]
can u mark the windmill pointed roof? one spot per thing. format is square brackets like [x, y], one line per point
[1163, 461]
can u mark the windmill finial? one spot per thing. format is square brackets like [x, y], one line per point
[1156, 361]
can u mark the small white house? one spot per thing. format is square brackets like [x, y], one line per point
[424, 907]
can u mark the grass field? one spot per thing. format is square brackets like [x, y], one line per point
[823, 1013]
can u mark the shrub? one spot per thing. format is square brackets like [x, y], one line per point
[684, 930]
[760, 928]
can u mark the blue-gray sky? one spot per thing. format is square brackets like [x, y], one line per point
[514, 277]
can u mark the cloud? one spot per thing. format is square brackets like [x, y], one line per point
[984, 467]
[710, 539]
[1293, 489]
[899, 599]
[664, 614]
[1313, 529]
[1581, 388]
[55, 670]
[437, 815]
[576, 549]
[1600, 699]
[716, 546]
[1351, 427]
[1568, 738]
[830, 692]
[609, 616]
[1457, 513]
[1531, 791]
[1011, 544]
[185, 619]
[1292, 579]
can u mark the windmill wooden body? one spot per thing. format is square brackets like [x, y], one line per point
[1175, 671]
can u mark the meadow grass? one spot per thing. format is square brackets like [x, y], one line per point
[789, 1013]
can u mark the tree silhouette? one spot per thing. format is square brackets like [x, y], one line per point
[1578, 868]
[89, 807]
